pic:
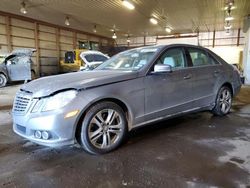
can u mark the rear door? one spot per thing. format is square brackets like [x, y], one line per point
[206, 72]
[169, 93]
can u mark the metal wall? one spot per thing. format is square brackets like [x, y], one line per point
[50, 41]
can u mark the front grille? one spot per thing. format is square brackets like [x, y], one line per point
[21, 102]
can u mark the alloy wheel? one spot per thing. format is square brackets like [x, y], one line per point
[225, 101]
[105, 128]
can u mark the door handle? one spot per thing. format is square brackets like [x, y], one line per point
[216, 72]
[187, 77]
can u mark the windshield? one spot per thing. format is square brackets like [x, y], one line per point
[95, 57]
[131, 60]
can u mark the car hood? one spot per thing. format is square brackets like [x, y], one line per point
[23, 52]
[79, 80]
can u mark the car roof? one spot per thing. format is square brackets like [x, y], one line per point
[162, 46]
[92, 52]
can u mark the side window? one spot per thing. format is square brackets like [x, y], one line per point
[213, 61]
[199, 57]
[173, 57]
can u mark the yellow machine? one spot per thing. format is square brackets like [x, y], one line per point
[72, 61]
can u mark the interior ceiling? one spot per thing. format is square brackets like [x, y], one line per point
[184, 16]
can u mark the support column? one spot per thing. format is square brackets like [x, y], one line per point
[8, 34]
[213, 38]
[74, 40]
[246, 52]
[38, 65]
[58, 48]
[246, 57]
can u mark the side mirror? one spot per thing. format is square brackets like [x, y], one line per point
[162, 68]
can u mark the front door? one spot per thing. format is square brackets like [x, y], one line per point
[169, 93]
[19, 68]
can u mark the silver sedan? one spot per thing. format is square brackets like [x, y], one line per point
[134, 88]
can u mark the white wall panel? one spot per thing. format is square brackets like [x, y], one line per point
[66, 47]
[15, 31]
[46, 44]
[47, 36]
[48, 53]
[2, 29]
[65, 39]
[189, 40]
[67, 33]
[82, 36]
[3, 49]
[95, 39]
[229, 54]
[47, 29]
[2, 19]
[16, 41]
[21, 23]
[150, 39]
[3, 39]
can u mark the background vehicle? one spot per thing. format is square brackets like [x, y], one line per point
[17, 66]
[92, 59]
[81, 59]
[72, 61]
[2, 57]
[131, 89]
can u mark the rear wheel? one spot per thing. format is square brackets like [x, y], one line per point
[223, 101]
[103, 129]
[3, 80]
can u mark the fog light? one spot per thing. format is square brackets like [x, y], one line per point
[38, 134]
[45, 135]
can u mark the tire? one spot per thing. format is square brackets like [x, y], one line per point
[3, 80]
[223, 101]
[103, 129]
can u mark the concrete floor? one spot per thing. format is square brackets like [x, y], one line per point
[197, 150]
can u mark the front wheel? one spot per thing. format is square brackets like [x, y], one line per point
[3, 80]
[103, 129]
[223, 101]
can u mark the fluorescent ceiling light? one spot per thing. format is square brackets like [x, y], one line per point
[168, 29]
[128, 4]
[153, 21]
[23, 8]
[94, 30]
[67, 21]
[114, 36]
[230, 7]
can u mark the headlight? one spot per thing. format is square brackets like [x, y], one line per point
[59, 100]
[55, 102]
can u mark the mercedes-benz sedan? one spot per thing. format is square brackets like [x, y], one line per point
[136, 87]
